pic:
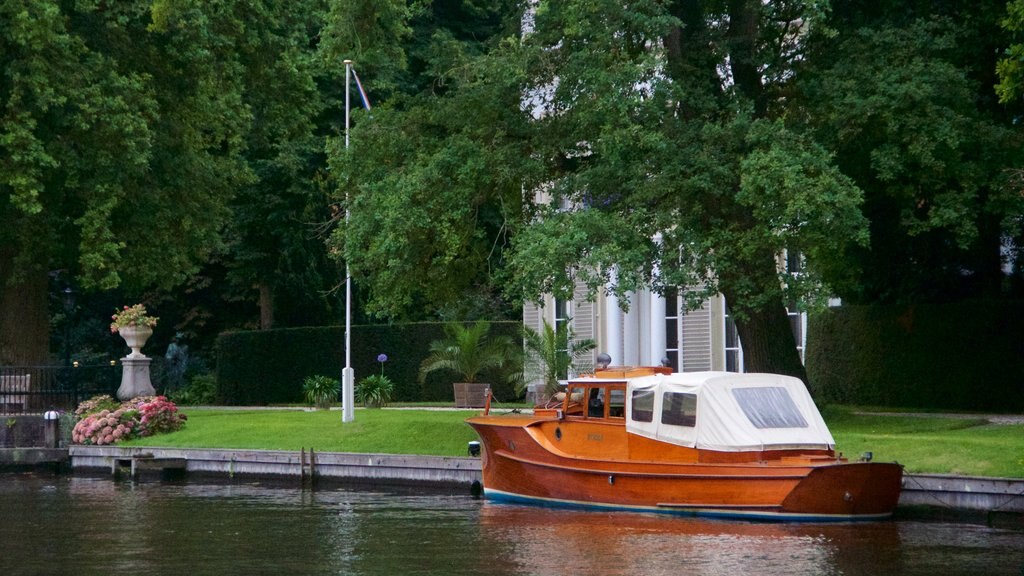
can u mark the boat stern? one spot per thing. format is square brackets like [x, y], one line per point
[855, 490]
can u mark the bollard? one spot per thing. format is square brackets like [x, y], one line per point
[51, 428]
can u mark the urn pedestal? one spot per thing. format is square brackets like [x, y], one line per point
[135, 379]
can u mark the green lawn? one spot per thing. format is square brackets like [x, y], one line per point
[427, 432]
[922, 444]
[931, 444]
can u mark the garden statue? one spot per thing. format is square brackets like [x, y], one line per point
[177, 362]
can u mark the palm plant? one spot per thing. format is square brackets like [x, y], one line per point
[320, 390]
[375, 391]
[468, 351]
[553, 351]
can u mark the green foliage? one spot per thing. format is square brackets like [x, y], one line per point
[200, 391]
[468, 351]
[432, 191]
[904, 99]
[320, 390]
[963, 356]
[375, 391]
[1011, 66]
[277, 230]
[269, 366]
[552, 352]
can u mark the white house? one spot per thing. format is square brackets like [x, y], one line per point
[654, 328]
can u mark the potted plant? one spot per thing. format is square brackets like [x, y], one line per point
[468, 351]
[552, 352]
[135, 325]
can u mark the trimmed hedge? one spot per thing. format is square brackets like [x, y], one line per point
[963, 356]
[269, 366]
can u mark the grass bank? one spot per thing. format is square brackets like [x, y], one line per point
[424, 432]
[931, 444]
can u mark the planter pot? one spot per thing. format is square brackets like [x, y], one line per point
[135, 337]
[470, 394]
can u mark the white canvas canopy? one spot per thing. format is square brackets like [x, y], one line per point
[726, 411]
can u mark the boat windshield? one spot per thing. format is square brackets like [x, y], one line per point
[604, 401]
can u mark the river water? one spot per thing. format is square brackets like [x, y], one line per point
[83, 525]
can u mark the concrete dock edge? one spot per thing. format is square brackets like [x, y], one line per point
[955, 493]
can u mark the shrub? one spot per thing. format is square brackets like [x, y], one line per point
[103, 421]
[375, 391]
[96, 404]
[202, 390]
[269, 366]
[159, 415]
[320, 390]
[107, 427]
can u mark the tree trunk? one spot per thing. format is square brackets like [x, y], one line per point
[24, 316]
[768, 344]
[762, 322]
[266, 306]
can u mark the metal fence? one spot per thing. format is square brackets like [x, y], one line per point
[36, 389]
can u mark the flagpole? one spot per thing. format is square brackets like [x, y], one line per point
[348, 375]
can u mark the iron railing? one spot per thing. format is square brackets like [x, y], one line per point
[36, 389]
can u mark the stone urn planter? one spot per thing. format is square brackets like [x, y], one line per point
[135, 337]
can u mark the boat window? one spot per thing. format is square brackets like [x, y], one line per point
[616, 403]
[769, 407]
[643, 406]
[595, 405]
[679, 409]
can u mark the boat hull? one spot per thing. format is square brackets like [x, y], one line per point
[521, 463]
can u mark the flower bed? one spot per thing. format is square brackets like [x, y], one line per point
[102, 420]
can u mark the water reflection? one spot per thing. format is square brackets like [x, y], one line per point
[95, 526]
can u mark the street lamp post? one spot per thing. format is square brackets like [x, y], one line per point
[68, 300]
[348, 374]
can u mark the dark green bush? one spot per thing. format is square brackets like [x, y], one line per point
[963, 356]
[269, 366]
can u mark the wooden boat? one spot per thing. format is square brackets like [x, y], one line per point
[716, 444]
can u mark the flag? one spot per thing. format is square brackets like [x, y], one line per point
[362, 93]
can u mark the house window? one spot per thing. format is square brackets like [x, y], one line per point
[679, 409]
[798, 324]
[733, 348]
[673, 329]
[797, 319]
[561, 309]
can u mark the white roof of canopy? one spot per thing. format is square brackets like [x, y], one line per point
[734, 412]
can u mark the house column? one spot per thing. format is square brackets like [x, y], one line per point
[613, 324]
[658, 340]
[631, 334]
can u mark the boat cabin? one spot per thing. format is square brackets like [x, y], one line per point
[719, 411]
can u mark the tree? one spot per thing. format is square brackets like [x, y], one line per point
[658, 133]
[903, 93]
[120, 145]
[277, 247]
[430, 214]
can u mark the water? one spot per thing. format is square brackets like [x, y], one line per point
[80, 525]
